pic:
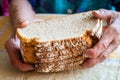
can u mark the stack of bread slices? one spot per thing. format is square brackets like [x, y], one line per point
[58, 44]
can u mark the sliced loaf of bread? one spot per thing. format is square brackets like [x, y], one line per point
[58, 44]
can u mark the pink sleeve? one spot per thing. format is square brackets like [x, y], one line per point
[5, 6]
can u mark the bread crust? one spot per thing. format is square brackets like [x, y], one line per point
[57, 53]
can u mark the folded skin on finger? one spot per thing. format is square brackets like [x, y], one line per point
[108, 34]
[103, 43]
[93, 61]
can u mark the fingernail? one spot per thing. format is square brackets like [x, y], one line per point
[97, 12]
[24, 24]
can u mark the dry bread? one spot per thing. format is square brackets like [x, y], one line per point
[58, 44]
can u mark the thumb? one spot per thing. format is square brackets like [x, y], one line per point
[103, 14]
[23, 24]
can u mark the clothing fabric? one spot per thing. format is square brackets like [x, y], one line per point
[73, 6]
[4, 7]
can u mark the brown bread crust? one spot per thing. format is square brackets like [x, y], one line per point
[57, 55]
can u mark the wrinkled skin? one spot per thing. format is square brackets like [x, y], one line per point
[109, 41]
[21, 14]
[107, 44]
[12, 46]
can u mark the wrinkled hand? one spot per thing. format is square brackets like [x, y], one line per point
[109, 41]
[12, 46]
[21, 14]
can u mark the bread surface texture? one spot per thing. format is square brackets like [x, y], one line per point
[58, 44]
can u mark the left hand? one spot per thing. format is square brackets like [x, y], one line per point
[109, 41]
[12, 47]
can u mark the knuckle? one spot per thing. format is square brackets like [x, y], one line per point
[106, 12]
[117, 40]
[92, 53]
[102, 45]
[113, 29]
[102, 10]
[116, 14]
[103, 56]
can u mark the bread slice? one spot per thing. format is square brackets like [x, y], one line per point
[58, 44]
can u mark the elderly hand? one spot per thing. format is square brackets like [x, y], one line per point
[109, 41]
[21, 14]
[12, 46]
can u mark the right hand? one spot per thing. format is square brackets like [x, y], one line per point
[109, 40]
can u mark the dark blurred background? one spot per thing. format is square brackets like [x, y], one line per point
[4, 7]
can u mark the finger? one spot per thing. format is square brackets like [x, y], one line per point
[93, 61]
[104, 28]
[103, 43]
[107, 52]
[103, 14]
[17, 61]
[23, 24]
[89, 63]
[23, 66]
[15, 58]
